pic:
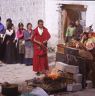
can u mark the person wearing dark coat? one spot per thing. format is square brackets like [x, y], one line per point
[79, 30]
[9, 40]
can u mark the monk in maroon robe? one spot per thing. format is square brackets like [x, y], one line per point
[40, 38]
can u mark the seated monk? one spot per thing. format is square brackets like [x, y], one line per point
[87, 44]
[93, 34]
[90, 44]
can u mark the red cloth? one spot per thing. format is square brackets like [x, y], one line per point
[40, 59]
[20, 34]
[93, 34]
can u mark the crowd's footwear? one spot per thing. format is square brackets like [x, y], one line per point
[1, 62]
[38, 73]
[28, 64]
[45, 72]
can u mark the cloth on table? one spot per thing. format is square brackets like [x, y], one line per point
[36, 92]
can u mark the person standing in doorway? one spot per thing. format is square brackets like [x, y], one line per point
[79, 30]
[70, 33]
[28, 45]
[40, 39]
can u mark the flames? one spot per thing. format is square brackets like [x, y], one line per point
[55, 73]
[54, 76]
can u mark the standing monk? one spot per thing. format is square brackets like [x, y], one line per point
[40, 39]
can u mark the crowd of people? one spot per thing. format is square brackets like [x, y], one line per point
[16, 47]
[28, 46]
[24, 46]
[82, 39]
[85, 39]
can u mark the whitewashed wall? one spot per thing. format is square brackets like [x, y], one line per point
[90, 14]
[22, 10]
[32, 10]
[51, 20]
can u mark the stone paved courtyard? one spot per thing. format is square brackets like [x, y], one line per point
[17, 73]
[14, 73]
[86, 92]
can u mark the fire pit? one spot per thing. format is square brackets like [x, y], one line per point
[53, 82]
[51, 85]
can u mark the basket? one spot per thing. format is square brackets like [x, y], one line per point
[10, 89]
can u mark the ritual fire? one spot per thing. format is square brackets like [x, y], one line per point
[54, 74]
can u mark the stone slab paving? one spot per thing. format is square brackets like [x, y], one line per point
[86, 92]
[17, 73]
[13, 73]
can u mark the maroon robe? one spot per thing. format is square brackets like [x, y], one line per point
[40, 59]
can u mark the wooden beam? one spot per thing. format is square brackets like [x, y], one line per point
[73, 7]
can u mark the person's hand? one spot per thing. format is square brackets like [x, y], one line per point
[77, 45]
[44, 42]
[7, 42]
[29, 38]
[40, 43]
[14, 41]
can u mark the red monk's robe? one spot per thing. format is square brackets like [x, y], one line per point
[40, 59]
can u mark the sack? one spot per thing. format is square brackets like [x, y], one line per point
[85, 54]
